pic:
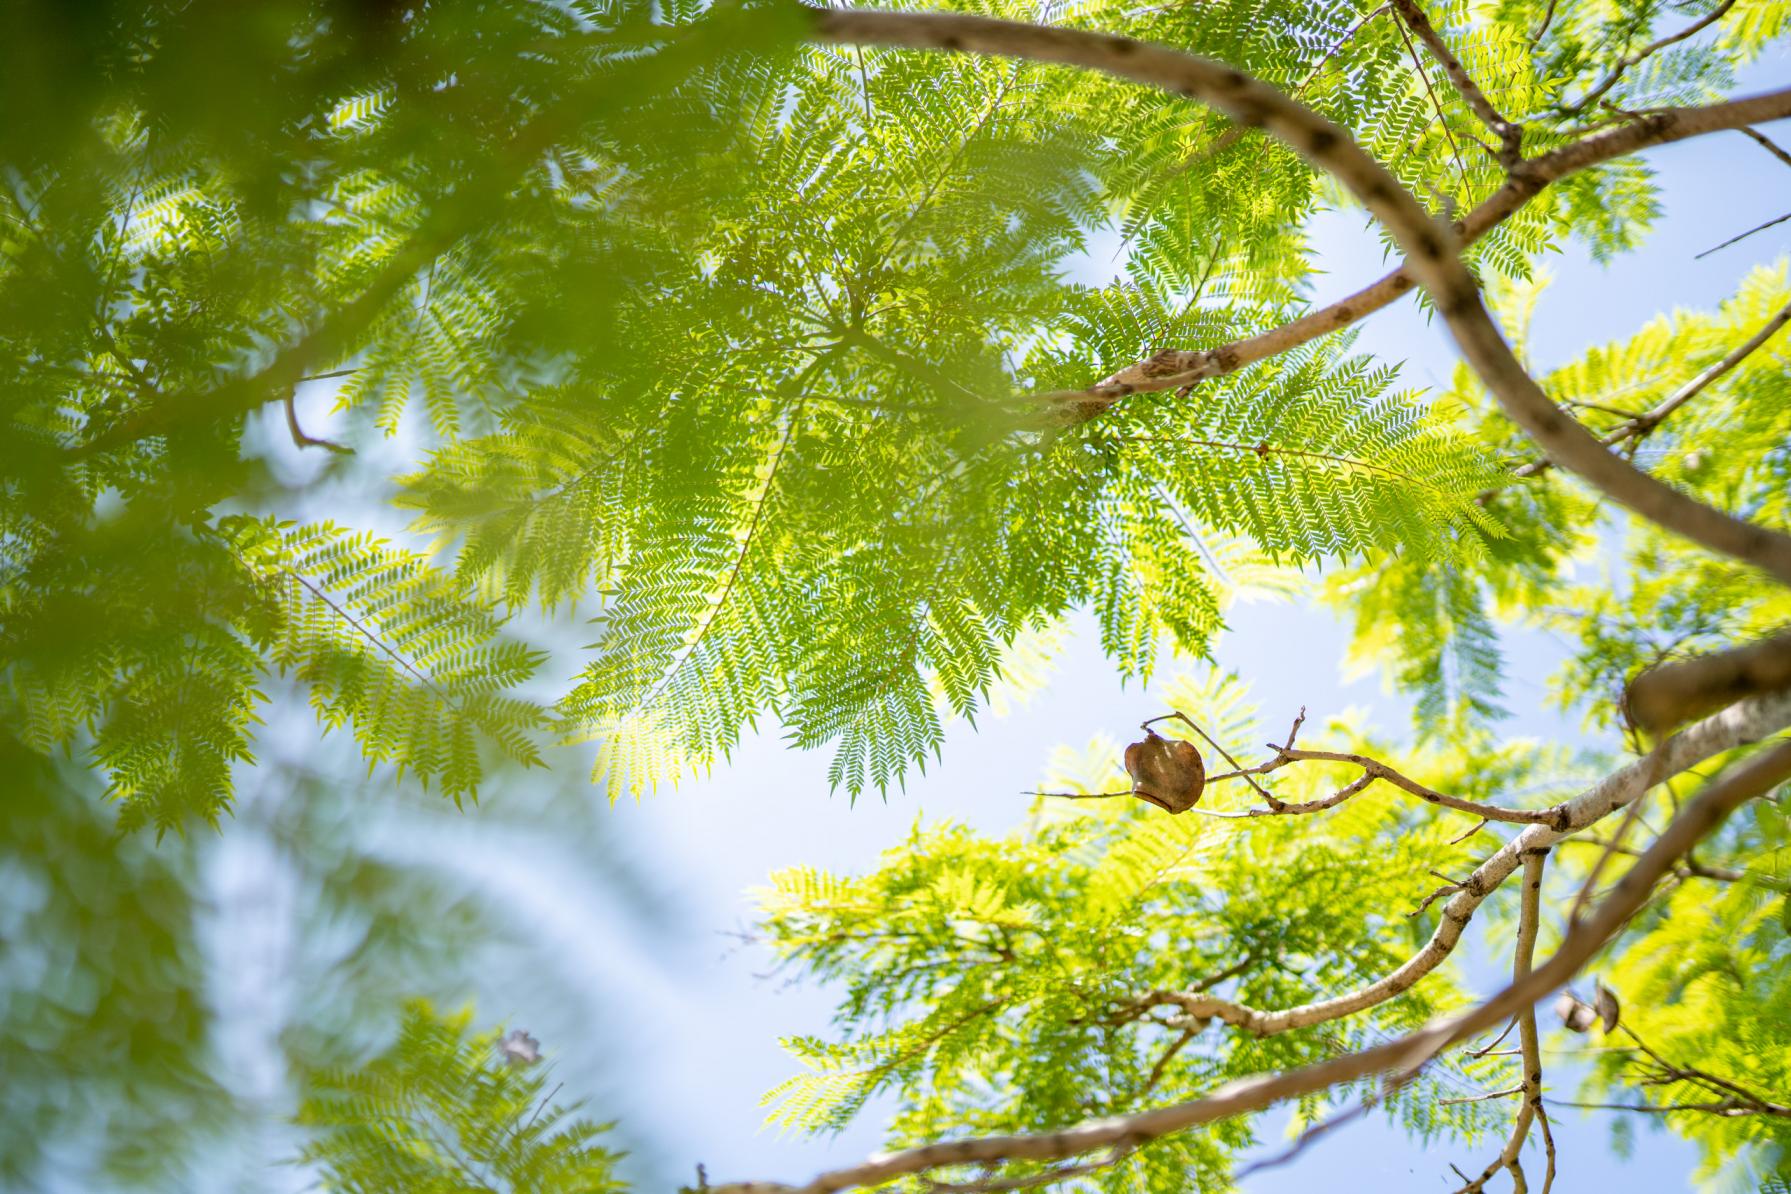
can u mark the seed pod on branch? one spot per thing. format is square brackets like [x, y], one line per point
[1166, 771]
[1604, 1000]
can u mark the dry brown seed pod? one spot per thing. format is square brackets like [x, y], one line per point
[1166, 771]
[1575, 1013]
[1605, 1001]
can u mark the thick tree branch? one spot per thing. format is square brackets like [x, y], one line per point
[1662, 697]
[1401, 1056]
[1233, 135]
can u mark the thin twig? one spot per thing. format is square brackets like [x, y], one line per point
[1162, 1066]
[1765, 143]
[1548, 1147]
[1475, 828]
[1322, 1128]
[1732, 1107]
[1482, 1098]
[306, 441]
[1628, 60]
[1531, 1055]
[1374, 769]
[1772, 223]
[1028, 1181]
[1249, 774]
[1424, 77]
[1495, 1044]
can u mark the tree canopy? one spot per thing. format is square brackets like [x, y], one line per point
[355, 349]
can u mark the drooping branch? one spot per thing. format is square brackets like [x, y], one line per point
[1373, 769]
[1397, 1057]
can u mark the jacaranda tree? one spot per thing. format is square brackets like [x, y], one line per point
[745, 330]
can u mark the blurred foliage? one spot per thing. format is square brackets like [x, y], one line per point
[726, 343]
[445, 1113]
[104, 1027]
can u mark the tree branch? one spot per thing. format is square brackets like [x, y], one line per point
[1233, 135]
[1431, 247]
[1734, 1094]
[1741, 236]
[1664, 696]
[1173, 369]
[1638, 426]
[1372, 770]
[1488, 1097]
[1727, 1107]
[1400, 1056]
[1531, 1061]
[1610, 80]
[1510, 135]
[1766, 143]
[300, 438]
[1748, 721]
